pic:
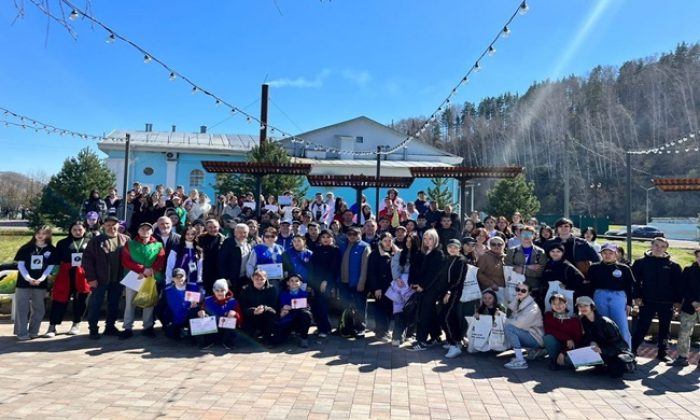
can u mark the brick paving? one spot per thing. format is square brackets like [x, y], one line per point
[74, 377]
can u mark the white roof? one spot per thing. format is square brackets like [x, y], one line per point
[371, 163]
[181, 141]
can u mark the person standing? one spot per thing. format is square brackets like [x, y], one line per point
[103, 271]
[529, 260]
[211, 244]
[454, 272]
[353, 275]
[233, 258]
[269, 252]
[70, 280]
[145, 256]
[490, 274]
[659, 284]
[689, 311]
[325, 263]
[35, 261]
[379, 277]
[576, 250]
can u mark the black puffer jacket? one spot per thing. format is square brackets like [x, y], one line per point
[605, 333]
[691, 287]
[425, 271]
[251, 298]
[379, 268]
[659, 279]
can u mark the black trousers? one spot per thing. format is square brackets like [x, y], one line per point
[265, 323]
[450, 318]
[427, 318]
[300, 323]
[646, 314]
[382, 311]
[58, 309]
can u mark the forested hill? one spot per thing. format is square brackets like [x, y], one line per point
[591, 120]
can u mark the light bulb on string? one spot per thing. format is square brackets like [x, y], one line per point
[477, 67]
[172, 76]
[233, 110]
[74, 15]
[524, 8]
[217, 103]
[146, 58]
[492, 51]
[505, 33]
[247, 119]
[111, 38]
[194, 89]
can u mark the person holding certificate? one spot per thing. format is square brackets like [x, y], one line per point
[267, 257]
[295, 313]
[604, 337]
[221, 305]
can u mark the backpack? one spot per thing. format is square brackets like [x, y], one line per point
[349, 322]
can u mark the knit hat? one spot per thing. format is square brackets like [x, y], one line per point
[454, 242]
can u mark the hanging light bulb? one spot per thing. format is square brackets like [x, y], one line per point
[233, 110]
[111, 38]
[172, 75]
[465, 80]
[262, 126]
[492, 51]
[506, 32]
[247, 119]
[477, 66]
[74, 15]
[524, 8]
[194, 89]
[217, 103]
[146, 58]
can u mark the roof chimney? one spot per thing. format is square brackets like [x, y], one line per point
[173, 128]
[203, 129]
[149, 127]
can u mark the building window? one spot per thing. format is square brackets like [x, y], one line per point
[196, 178]
[148, 171]
[359, 139]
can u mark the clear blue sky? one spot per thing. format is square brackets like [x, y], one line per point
[327, 61]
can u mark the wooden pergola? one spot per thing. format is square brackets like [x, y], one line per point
[464, 174]
[677, 184]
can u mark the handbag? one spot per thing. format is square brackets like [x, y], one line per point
[147, 296]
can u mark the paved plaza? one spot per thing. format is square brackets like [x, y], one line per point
[74, 377]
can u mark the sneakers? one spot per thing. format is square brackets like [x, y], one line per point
[516, 364]
[396, 343]
[226, 345]
[419, 347]
[74, 329]
[304, 343]
[663, 357]
[23, 338]
[446, 346]
[322, 335]
[111, 331]
[126, 334]
[33, 336]
[453, 352]
[149, 332]
[51, 332]
[534, 354]
[680, 362]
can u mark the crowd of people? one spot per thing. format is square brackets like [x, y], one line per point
[306, 262]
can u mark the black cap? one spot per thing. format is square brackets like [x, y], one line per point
[198, 222]
[454, 242]
[563, 221]
[145, 224]
[468, 240]
[557, 245]
[111, 219]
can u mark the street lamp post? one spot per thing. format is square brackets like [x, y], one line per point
[647, 203]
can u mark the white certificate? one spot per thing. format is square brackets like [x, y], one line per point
[249, 204]
[192, 296]
[284, 200]
[274, 271]
[203, 326]
[227, 323]
[132, 281]
[585, 356]
[299, 303]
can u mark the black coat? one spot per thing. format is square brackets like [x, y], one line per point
[379, 270]
[659, 279]
[325, 264]
[566, 273]
[605, 333]
[211, 246]
[454, 271]
[229, 259]
[691, 287]
[251, 298]
[425, 271]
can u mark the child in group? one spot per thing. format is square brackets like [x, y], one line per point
[295, 313]
[35, 261]
[178, 310]
[222, 305]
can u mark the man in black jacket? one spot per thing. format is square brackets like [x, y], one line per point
[658, 288]
[211, 244]
[325, 264]
[690, 311]
[258, 301]
[233, 258]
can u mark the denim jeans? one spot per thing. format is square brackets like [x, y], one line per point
[519, 338]
[97, 296]
[613, 304]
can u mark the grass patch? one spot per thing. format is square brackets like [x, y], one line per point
[9, 244]
[684, 257]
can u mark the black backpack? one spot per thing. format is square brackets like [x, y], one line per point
[349, 322]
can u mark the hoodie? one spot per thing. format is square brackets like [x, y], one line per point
[659, 279]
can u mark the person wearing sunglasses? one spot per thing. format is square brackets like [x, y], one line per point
[490, 264]
[524, 328]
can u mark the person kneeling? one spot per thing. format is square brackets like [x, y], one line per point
[295, 313]
[180, 307]
[562, 332]
[221, 305]
[604, 336]
[524, 328]
[258, 301]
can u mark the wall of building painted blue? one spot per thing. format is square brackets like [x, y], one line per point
[145, 162]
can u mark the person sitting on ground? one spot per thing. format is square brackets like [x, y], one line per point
[562, 331]
[178, 311]
[295, 313]
[258, 303]
[489, 304]
[524, 328]
[221, 305]
[602, 334]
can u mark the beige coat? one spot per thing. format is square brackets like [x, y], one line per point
[490, 270]
[526, 315]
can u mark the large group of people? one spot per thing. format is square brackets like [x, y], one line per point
[407, 266]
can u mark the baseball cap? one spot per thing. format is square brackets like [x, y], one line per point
[584, 300]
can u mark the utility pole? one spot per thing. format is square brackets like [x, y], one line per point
[126, 174]
[376, 192]
[629, 205]
[567, 185]
[263, 138]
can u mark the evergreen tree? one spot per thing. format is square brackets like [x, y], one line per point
[268, 152]
[440, 192]
[511, 195]
[62, 198]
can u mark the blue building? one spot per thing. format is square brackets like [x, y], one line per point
[174, 158]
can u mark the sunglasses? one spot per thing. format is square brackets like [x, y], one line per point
[498, 244]
[521, 290]
[270, 236]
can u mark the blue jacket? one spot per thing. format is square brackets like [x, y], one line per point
[298, 262]
[212, 306]
[265, 255]
[285, 243]
[286, 299]
[177, 306]
[357, 273]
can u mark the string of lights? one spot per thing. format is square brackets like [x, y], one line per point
[26, 122]
[219, 101]
[671, 147]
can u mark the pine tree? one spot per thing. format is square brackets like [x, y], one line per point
[62, 198]
[268, 152]
[441, 193]
[511, 195]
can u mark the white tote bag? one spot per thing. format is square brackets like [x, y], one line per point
[478, 333]
[470, 290]
[497, 339]
[557, 287]
[512, 280]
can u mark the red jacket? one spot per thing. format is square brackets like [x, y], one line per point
[61, 287]
[129, 264]
[563, 329]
